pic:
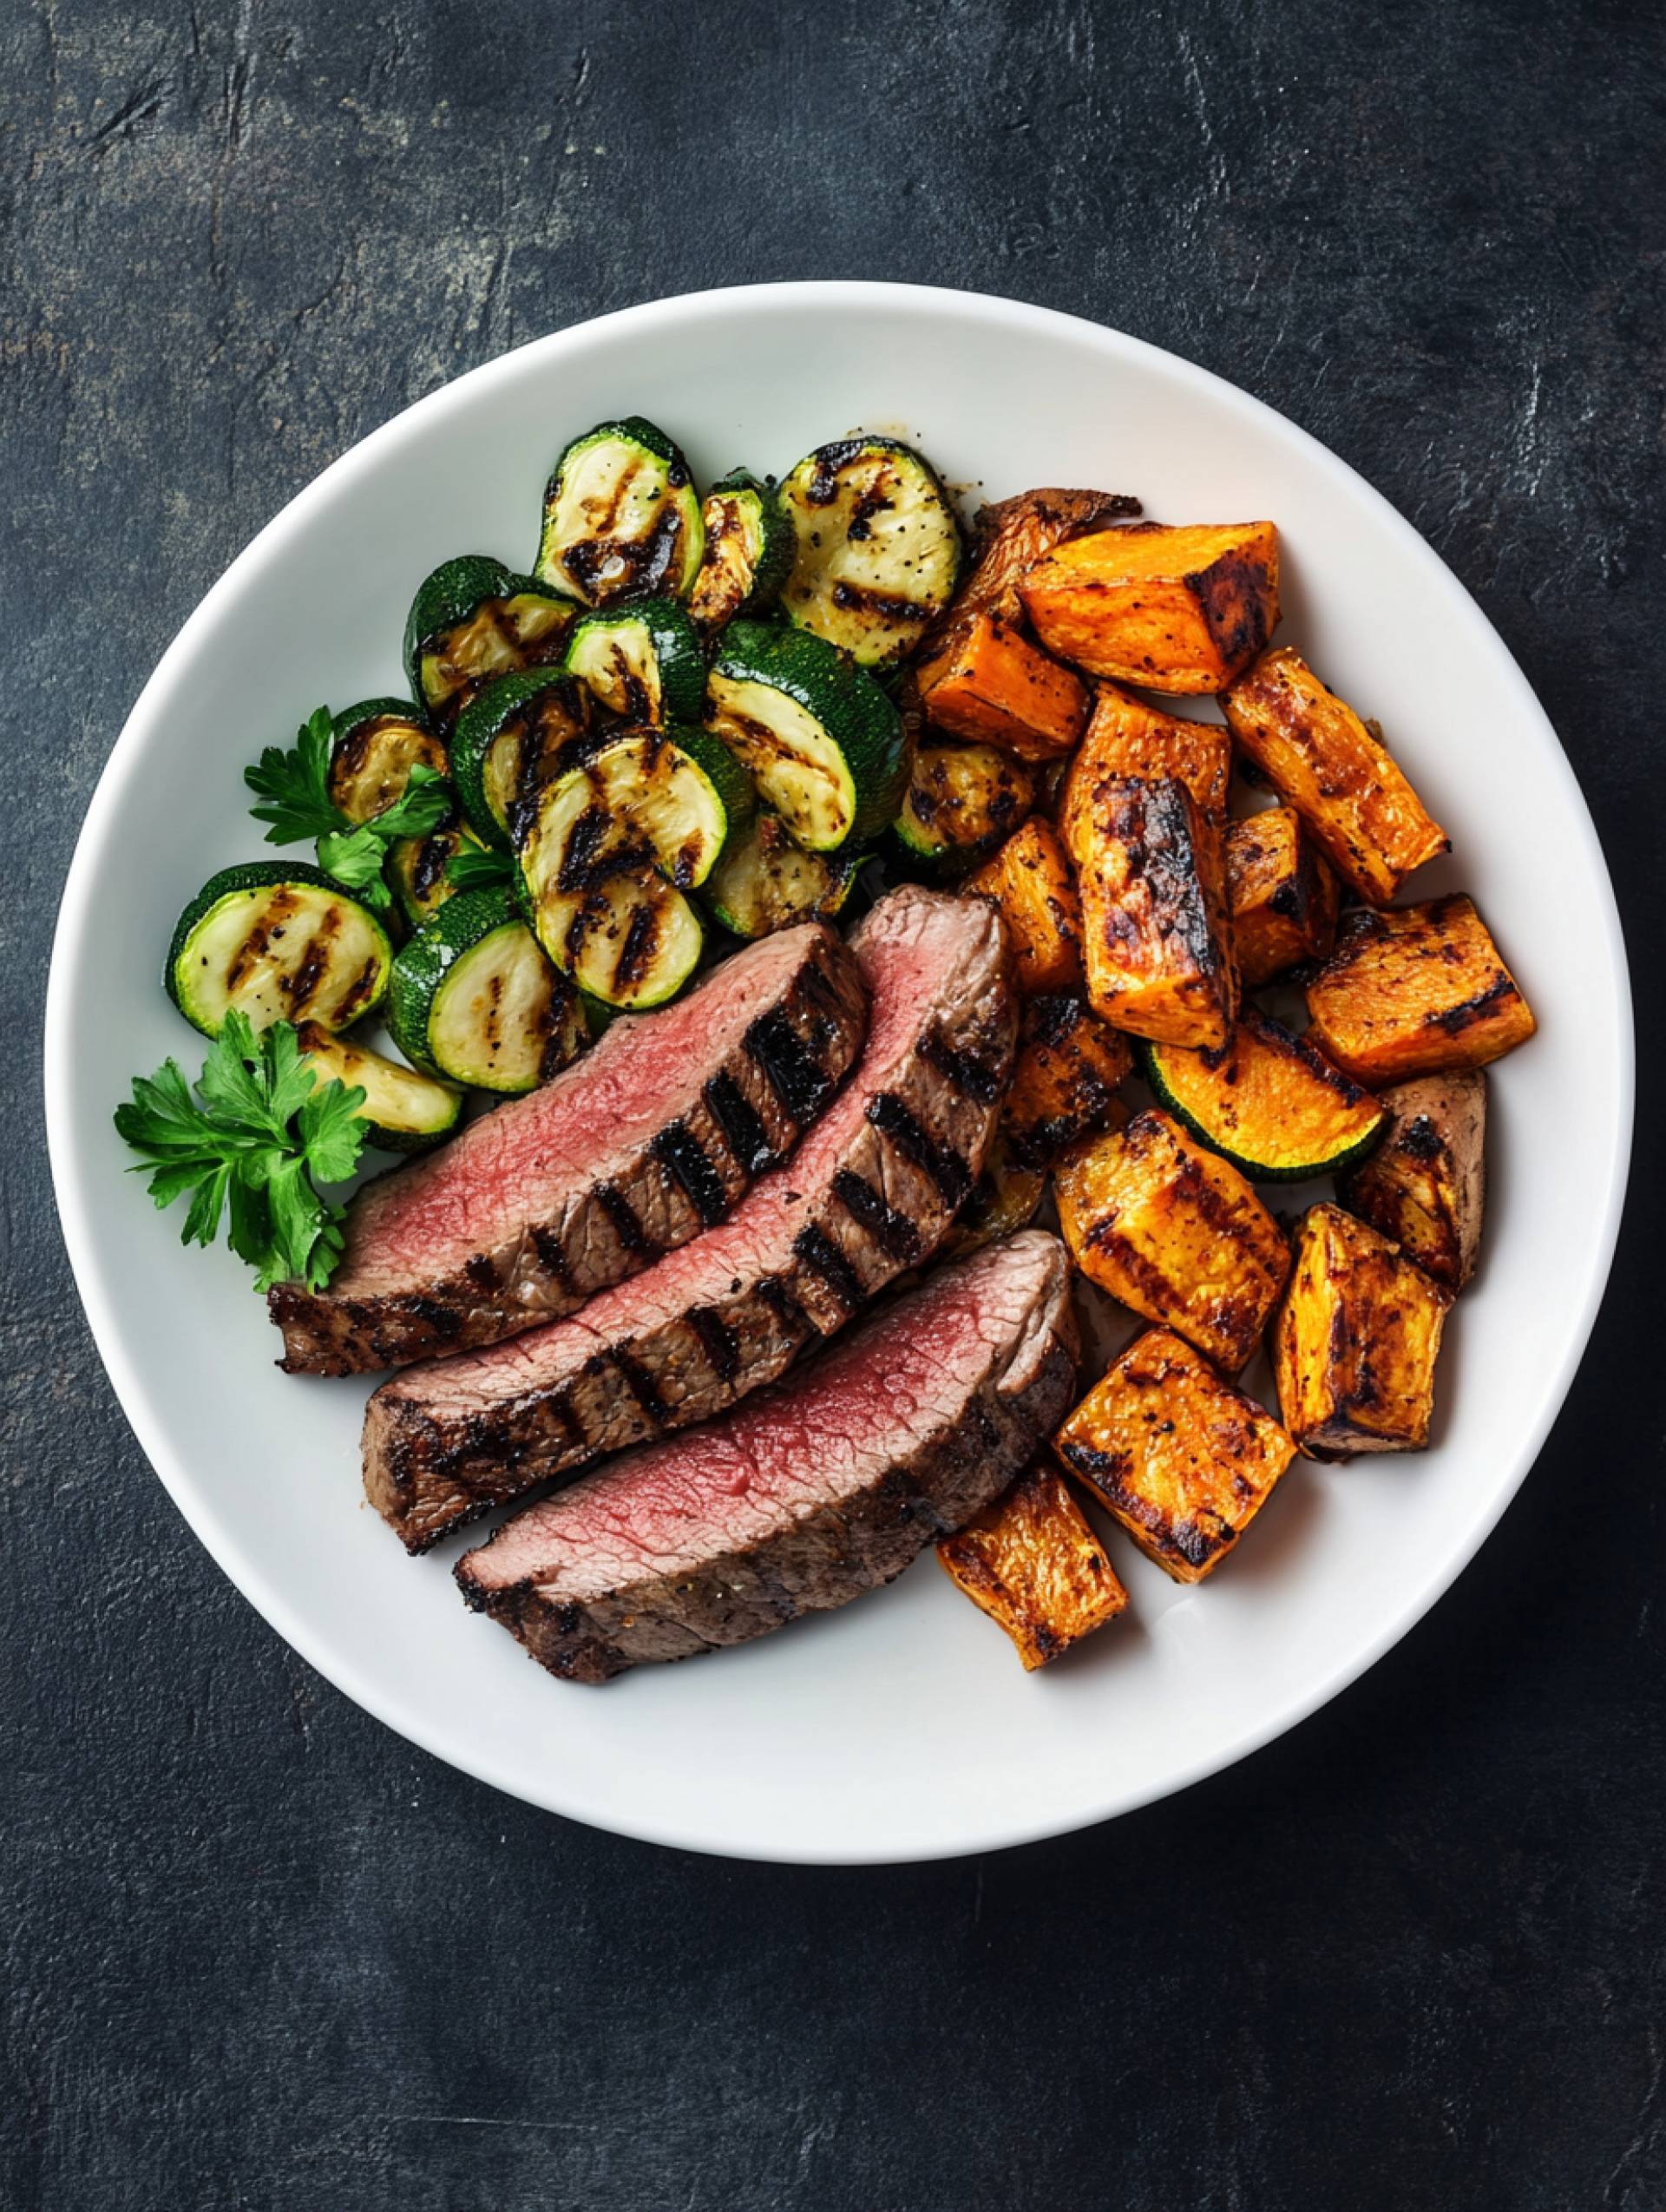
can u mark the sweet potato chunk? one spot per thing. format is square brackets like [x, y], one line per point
[990, 684]
[1183, 1459]
[1281, 896]
[1010, 535]
[1030, 881]
[1127, 738]
[1154, 925]
[1335, 772]
[1425, 1186]
[1065, 1080]
[1355, 1342]
[1033, 1563]
[1419, 991]
[1177, 610]
[1174, 1231]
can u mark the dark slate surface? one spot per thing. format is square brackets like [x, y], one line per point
[259, 1953]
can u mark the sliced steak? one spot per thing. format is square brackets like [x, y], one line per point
[871, 1192]
[649, 1139]
[823, 1487]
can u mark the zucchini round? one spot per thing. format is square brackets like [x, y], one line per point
[474, 999]
[374, 746]
[417, 869]
[748, 551]
[963, 800]
[876, 547]
[767, 881]
[621, 517]
[281, 941]
[644, 661]
[520, 732]
[402, 1111]
[1270, 1103]
[816, 733]
[472, 619]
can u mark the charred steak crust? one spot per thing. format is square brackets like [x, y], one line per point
[829, 1235]
[946, 1466]
[747, 1113]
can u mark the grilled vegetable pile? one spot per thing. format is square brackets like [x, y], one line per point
[693, 719]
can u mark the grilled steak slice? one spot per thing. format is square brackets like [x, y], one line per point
[871, 1192]
[823, 1487]
[649, 1139]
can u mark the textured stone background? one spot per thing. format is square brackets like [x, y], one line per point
[259, 1953]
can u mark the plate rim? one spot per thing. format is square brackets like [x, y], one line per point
[75, 1208]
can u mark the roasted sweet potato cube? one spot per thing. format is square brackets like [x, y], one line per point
[1355, 1342]
[1282, 897]
[988, 682]
[1010, 535]
[1425, 1186]
[1335, 772]
[1155, 940]
[1176, 610]
[1065, 1080]
[1174, 1231]
[1030, 879]
[1127, 738]
[1033, 1563]
[1182, 1459]
[1418, 991]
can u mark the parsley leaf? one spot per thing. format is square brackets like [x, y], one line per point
[247, 1148]
[477, 868]
[294, 792]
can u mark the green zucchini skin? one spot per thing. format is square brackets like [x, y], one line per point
[656, 674]
[603, 572]
[485, 928]
[872, 579]
[353, 735]
[485, 720]
[455, 593]
[431, 1110]
[860, 722]
[765, 882]
[748, 551]
[370, 985]
[1258, 1170]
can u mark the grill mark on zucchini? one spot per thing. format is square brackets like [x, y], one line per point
[641, 942]
[892, 1231]
[314, 964]
[717, 1340]
[940, 1161]
[743, 1129]
[681, 1152]
[791, 1073]
[863, 598]
[823, 1256]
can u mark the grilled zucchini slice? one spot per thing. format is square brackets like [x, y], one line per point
[749, 548]
[876, 548]
[521, 731]
[963, 800]
[609, 851]
[403, 1112]
[644, 662]
[374, 746]
[1268, 1102]
[765, 882]
[621, 517]
[473, 619]
[476, 999]
[281, 941]
[417, 869]
[815, 732]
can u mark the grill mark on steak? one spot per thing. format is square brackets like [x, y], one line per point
[942, 1162]
[791, 1071]
[682, 1152]
[822, 1489]
[975, 1077]
[742, 1130]
[536, 1192]
[711, 1323]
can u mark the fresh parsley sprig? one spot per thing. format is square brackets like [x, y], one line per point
[293, 788]
[477, 868]
[248, 1146]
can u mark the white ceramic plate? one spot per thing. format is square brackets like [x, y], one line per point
[903, 1727]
